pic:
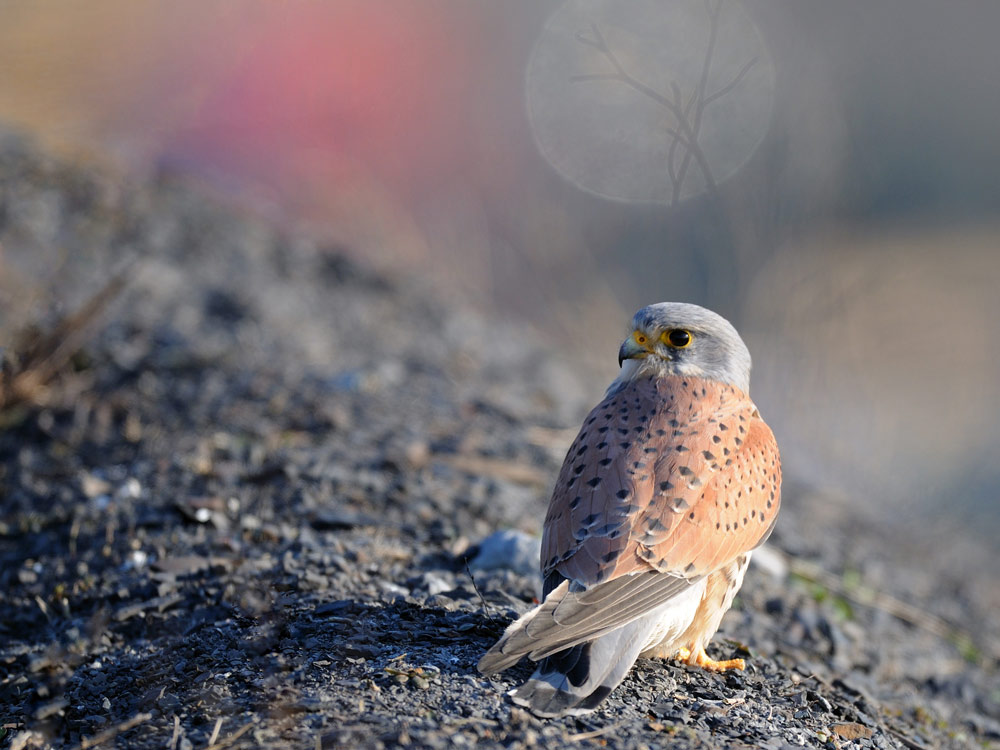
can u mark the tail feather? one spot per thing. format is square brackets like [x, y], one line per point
[575, 681]
[585, 650]
[568, 617]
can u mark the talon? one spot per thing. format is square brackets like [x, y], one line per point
[698, 658]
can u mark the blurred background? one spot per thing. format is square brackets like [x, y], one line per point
[826, 175]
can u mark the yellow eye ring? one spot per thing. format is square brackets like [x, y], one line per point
[677, 338]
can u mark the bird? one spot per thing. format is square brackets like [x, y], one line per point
[672, 482]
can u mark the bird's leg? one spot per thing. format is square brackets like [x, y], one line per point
[698, 658]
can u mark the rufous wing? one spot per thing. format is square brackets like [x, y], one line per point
[678, 475]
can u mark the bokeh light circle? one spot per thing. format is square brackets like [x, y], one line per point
[614, 138]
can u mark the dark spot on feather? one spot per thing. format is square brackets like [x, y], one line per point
[578, 469]
[575, 502]
[622, 431]
[661, 433]
[608, 530]
[622, 494]
[602, 445]
[594, 482]
[591, 519]
[685, 471]
[689, 568]
[604, 461]
[602, 430]
[665, 486]
[709, 456]
[691, 515]
[680, 448]
[722, 426]
[625, 445]
[612, 555]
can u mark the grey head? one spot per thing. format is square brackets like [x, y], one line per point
[677, 338]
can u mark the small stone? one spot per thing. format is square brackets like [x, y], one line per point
[93, 486]
[508, 550]
[851, 731]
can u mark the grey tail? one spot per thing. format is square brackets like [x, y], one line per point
[576, 680]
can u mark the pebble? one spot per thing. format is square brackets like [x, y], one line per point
[508, 550]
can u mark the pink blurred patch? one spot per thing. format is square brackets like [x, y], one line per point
[326, 92]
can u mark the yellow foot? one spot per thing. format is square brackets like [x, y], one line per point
[699, 658]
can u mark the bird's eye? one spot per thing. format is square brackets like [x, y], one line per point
[677, 338]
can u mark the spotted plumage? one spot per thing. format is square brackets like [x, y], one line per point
[673, 479]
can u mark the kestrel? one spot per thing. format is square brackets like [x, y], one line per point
[671, 483]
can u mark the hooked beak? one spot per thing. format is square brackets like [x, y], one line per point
[632, 349]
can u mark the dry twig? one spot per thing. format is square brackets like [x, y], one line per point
[111, 732]
[39, 357]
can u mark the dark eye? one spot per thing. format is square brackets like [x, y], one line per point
[678, 338]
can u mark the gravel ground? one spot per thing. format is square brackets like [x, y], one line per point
[244, 517]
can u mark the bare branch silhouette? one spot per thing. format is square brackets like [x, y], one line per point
[731, 85]
[687, 114]
[677, 178]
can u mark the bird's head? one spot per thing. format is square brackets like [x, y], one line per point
[676, 338]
